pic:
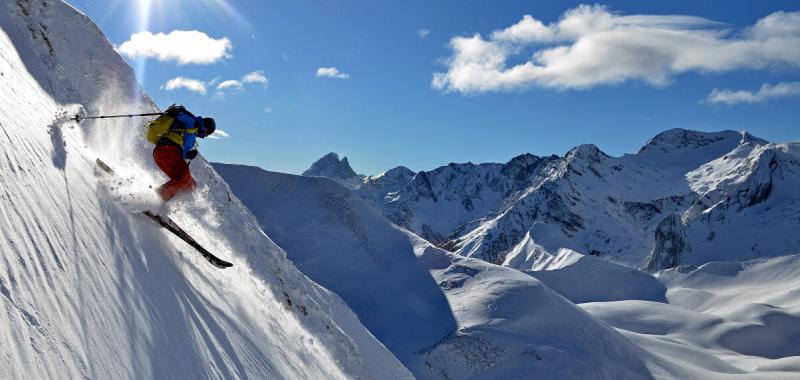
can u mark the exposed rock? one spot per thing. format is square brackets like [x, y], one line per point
[332, 167]
[670, 244]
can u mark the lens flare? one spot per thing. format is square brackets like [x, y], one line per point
[143, 17]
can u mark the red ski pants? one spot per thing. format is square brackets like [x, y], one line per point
[169, 159]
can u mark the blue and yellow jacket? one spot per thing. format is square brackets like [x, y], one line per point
[180, 130]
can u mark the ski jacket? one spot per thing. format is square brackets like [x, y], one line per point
[183, 131]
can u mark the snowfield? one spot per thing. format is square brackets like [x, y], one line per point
[88, 290]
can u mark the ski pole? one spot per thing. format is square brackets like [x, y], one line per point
[78, 118]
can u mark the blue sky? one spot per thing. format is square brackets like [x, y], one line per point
[389, 111]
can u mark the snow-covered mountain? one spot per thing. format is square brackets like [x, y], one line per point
[685, 197]
[481, 320]
[571, 316]
[434, 204]
[89, 290]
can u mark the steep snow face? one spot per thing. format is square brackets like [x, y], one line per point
[683, 150]
[88, 290]
[750, 208]
[339, 241]
[332, 167]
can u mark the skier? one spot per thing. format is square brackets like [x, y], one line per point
[174, 134]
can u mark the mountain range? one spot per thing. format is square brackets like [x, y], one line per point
[685, 198]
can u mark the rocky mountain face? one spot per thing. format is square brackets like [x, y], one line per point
[707, 191]
[437, 204]
[332, 167]
[669, 244]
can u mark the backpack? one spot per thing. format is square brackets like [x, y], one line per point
[162, 125]
[159, 127]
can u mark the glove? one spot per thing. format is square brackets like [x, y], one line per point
[190, 155]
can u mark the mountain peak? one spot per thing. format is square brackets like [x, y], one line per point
[590, 151]
[678, 139]
[748, 138]
[332, 167]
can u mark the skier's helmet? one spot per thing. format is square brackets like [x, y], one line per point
[209, 126]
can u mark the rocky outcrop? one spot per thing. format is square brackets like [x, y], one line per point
[671, 243]
[332, 167]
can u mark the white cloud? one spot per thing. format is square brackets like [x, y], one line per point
[182, 46]
[268, 109]
[766, 92]
[592, 46]
[219, 134]
[256, 77]
[331, 72]
[192, 85]
[230, 84]
[422, 33]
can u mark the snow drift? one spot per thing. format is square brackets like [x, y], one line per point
[88, 290]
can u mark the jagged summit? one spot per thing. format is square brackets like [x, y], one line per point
[332, 167]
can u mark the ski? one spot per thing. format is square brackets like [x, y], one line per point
[168, 224]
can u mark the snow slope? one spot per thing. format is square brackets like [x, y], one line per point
[721, 319]
[582, 278]
[88, 290]
[512, 326]
[341, 243]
